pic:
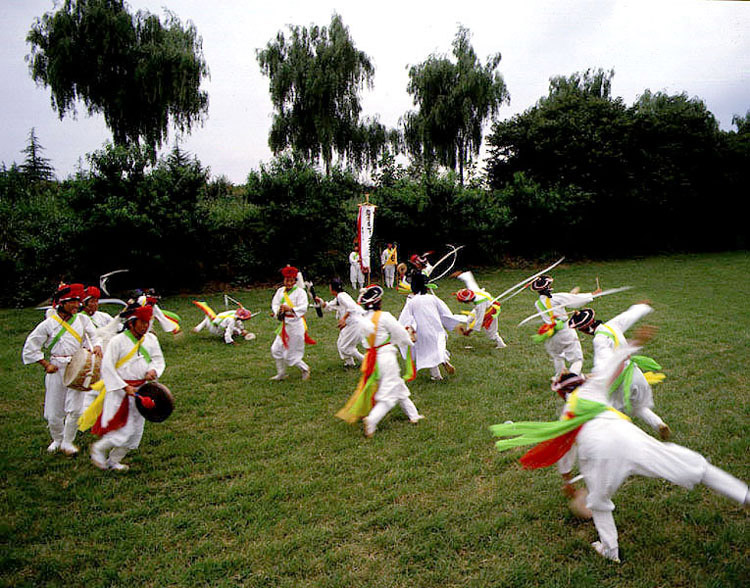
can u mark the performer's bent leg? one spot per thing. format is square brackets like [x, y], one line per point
[99, 452]
[116, 456]
[376, 415]
[435, 373]
[201, 325]
[576, 367]
[725, 484]
[605, 526]
[410, 410]
[54, 407]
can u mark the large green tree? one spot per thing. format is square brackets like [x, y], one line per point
[574, 135]
[454, 100]
[141, 74]
[315, 76]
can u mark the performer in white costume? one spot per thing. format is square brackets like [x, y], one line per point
[227, 324]
[381, 386]
[485, 314]
[389, 261]
[289, 305]
[132, 358]
[638, 401]
[90, 305]
[346, 312]
[428, 317]
[560, 341]
[356, 276]
[63, 333]
[611, 449]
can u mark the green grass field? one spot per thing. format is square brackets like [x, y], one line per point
[255, 483]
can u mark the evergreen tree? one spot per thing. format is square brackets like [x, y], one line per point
[36, 167]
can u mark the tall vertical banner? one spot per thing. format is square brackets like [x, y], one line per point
[365, 228]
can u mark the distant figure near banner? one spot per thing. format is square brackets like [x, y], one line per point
[389, 261]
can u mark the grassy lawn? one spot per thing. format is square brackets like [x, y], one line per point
[255, 483]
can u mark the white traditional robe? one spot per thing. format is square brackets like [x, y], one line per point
[349, 336]
[641, 395]
[564, 344]
[388, 262]
[226, 325]
[429, 316]
[295, 328]
[59, 400]
[392, 389]
[611, 449]
[100, 319]
[129, 435]
[356, 276]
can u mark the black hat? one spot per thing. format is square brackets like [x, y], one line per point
[581, 318]
[541, 283]
[566, 383]
[370, 295]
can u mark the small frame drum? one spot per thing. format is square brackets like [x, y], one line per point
[83, 370]
[163, 401]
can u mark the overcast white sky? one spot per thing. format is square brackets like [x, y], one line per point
[701, 47]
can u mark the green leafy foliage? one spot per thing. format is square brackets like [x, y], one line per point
[141, 74]
[315, 76]
[454, 100]
[661, 165]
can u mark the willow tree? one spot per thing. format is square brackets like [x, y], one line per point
[455, 100]
[141, 74]
[315, 76]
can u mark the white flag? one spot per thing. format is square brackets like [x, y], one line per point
[365, 228]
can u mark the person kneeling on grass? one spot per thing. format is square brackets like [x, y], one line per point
[611, 449]
[381, 386]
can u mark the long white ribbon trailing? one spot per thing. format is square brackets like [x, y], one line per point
[561, 306]
[523, 283]
[453, 252]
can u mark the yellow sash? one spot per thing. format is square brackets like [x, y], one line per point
[89, 416]
[67, 327]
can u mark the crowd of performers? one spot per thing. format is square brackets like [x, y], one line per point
[594, 431]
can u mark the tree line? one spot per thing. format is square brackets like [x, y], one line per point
[579, 173]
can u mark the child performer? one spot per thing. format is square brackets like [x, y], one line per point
[611, 449]
[63, 333]
[132, 358]
[633, 394]
[289, 305]
[560, 341]
[381, 386]
[226, 324]
[485, 313]
[346, 312]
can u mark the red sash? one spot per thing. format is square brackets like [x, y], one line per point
[121, 416]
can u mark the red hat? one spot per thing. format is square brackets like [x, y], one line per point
[465, 295]
[92, 292]
[67, 292]
[289, 271]
[144, 313]
[242, 314]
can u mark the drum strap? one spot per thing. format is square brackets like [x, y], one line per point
[65, 327]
